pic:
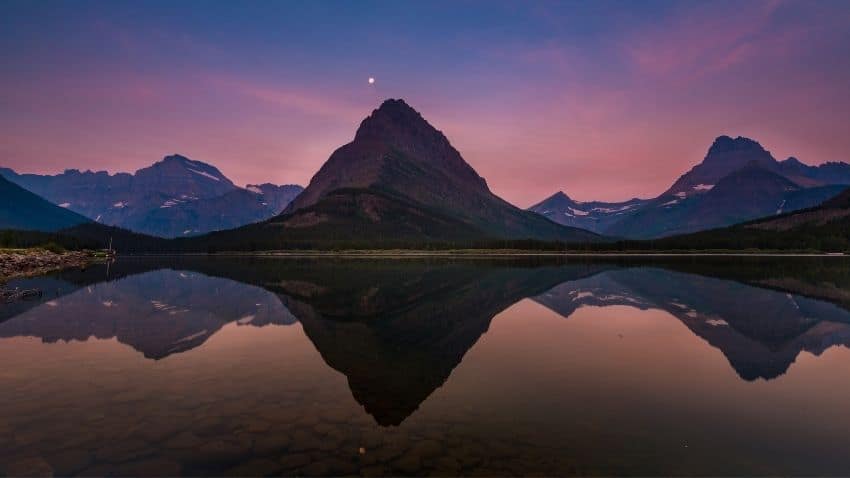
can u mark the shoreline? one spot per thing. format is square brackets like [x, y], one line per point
[472, 253]
[16, 263]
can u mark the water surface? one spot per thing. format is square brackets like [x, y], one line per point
[217, 366]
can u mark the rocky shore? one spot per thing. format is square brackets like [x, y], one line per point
[28, 262]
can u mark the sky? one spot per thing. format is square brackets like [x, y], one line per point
[604, 100]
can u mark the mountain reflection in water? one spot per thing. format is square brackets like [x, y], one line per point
[397, 329]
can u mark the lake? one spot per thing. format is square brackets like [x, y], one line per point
[512, 366]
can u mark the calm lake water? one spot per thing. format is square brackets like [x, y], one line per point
[248, 366]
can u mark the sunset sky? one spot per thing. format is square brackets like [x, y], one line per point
[603, 100]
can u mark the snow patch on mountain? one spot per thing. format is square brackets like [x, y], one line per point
[205, 174]
[613, 210]
[65, 205]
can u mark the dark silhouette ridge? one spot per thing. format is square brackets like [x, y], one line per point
[21, 209]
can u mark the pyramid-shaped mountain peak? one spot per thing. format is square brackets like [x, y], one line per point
[401, 126]
[399, 168]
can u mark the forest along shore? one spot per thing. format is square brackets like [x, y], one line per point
[27, 262]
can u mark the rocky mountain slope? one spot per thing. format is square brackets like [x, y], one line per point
[21, 209]
[823, 228]
[399, 180]
[397, 153]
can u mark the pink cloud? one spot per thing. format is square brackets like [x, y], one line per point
[302, 100]
[696, 41]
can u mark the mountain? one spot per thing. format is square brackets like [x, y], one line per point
[397, 153]
[276, 197]
[832, 213]
[399, 180]
[750, 192]
[596, 216]
[738, 180]
[232, 209]
[827, 173]
[824, 228]
[725, 156]
[21, 209]
[173, 197]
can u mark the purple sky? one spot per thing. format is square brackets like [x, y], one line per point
[604, 100]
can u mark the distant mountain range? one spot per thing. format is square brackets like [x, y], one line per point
[173, 197]
[737, 181]
[401, 183]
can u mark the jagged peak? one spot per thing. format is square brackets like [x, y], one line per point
[725, 144]
[399, 105]
[186, 162]
[179, 158]
[559, 195]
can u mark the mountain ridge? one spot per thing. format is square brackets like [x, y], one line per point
[175, 196]
[692, 203]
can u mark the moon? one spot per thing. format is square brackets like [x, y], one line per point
[371, 80]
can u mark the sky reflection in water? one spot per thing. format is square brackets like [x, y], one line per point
[328, 367]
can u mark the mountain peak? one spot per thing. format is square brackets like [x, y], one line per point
[726, 144]
[190, 163]
[399, 167]
[396, 123]
[560, 195]
[725, 155]
[198, 167]
[399, 105]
